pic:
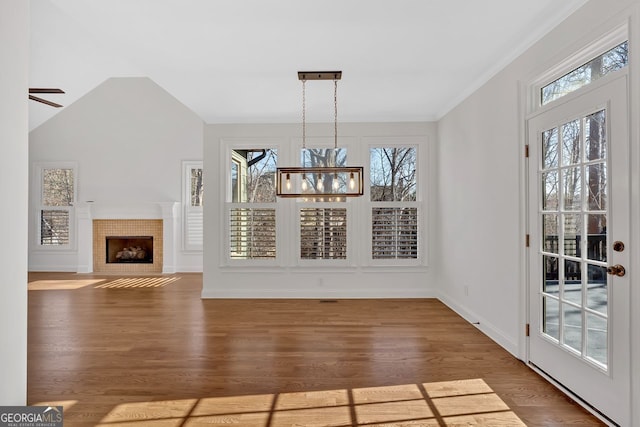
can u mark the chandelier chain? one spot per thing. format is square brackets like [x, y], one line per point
[304, 116]
[335, 114]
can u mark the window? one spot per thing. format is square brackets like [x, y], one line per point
[384, 227]
[323, 157]
[57, 193]
[193, 199]
[612, 60]
[251, 211]
[197, 188]
[394, 210]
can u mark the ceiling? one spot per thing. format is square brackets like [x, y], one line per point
[236, 61]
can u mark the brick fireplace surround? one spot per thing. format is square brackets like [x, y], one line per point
[126, 227]
[98, 220]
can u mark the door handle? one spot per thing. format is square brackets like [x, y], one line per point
[618, 246]
[616, 270]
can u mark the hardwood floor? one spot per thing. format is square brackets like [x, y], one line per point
[120, 351]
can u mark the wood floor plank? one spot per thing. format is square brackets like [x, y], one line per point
[160, 355]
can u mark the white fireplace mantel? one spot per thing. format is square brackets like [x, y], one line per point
[88, 211]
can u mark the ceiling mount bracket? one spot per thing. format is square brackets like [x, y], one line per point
[44, 90]
[319, 75]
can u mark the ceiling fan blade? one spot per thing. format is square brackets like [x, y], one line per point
[45, 90]
[44, 101]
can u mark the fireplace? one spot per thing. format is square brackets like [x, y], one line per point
[98, 220]
[129, 249]
[139, 243]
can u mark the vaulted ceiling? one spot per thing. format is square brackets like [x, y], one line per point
[236, 61]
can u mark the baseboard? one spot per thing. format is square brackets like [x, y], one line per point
[89, 270]
[316, 294]
[189, 269]
[482, 324]
[53, 268]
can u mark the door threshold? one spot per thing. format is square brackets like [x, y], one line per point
[576, 398]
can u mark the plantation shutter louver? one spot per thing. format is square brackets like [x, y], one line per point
[195, 230]
[252, 233]
[54, 227]
[323, 233]
[394, 233]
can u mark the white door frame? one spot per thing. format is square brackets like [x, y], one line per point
[626, 21]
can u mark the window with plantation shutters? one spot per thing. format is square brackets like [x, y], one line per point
[251, 206]
[383, 228]
[193, 200]
[394, 209]
[57, 194]
[323, 233]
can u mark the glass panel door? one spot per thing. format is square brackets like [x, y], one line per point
[578, 207]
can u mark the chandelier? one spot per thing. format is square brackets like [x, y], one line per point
[323, 181]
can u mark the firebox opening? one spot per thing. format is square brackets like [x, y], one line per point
[129, 249]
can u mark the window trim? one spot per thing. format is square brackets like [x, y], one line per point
[38, 169]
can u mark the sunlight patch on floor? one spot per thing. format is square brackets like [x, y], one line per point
[138, 282]
[48, 285]
[164, 410]
[452, 403]
[66, 404]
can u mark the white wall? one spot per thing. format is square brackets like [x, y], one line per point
[128, 137]
[221, 280]
[14, 52]
[481, 188]
[478, 211]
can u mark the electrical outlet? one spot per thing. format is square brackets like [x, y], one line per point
[466, 291]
